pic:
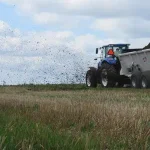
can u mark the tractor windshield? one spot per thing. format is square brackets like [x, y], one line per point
[117, 49]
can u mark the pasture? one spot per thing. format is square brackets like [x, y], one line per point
[72, 117]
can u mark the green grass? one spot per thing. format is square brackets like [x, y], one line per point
[19, 133]
[72, 117]
[54, 87]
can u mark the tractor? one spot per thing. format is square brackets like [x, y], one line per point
[108, 70]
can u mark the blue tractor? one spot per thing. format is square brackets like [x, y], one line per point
[107, 72]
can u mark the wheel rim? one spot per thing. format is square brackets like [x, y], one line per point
[88, 81]
[134, 82]
[104, 78]
[144, 85]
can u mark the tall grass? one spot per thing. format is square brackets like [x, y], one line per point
[74, 119]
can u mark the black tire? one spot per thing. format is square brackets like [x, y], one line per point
[120, 84]
[144, 83]
[122, 80]
[91, 80]
[134, 82]
[108, 75]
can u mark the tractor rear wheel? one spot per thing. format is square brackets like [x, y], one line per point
[135, 82]
[108, 75]
[144, 83]
[91, 80]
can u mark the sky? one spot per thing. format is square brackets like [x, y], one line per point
[54, 41]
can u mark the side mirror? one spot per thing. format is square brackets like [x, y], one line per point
[96, 50]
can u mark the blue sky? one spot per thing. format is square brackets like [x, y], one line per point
[25, 23]
[10, 15]
[41, 39]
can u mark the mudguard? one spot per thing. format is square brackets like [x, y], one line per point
[92, 68]
[109, 60]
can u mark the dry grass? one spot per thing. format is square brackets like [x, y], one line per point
[113, 118]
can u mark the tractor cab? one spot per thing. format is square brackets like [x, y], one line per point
[109, 53]
[112, 50]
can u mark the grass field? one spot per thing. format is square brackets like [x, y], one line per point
[72, 117]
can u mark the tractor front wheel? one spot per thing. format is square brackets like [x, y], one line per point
[91, 80]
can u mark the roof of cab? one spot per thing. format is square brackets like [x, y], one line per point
[117, 45]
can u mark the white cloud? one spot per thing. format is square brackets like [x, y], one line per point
[46, 18]
[105, 24]
[6, 30]
[3, 26]
[123, 27]
[101, 8]
[118, 18]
